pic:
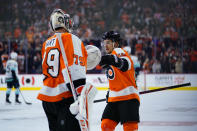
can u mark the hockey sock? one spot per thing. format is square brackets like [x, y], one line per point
[8, 92]
[8, 95]
[130, 126]
[16, 91]
[108, 125]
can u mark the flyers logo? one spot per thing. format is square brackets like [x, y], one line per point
[110, 73]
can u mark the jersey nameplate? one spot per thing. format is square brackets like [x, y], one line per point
[50, 43]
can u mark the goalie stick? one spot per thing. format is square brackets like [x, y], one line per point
[82, 122]
[154, 90]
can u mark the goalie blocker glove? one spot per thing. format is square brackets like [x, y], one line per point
[113, 60]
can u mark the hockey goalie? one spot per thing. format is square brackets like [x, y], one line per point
[66, 96]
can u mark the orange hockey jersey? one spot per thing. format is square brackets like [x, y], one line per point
[122, 85]
[54, 87]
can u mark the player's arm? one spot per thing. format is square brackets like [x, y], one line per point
[121, 63]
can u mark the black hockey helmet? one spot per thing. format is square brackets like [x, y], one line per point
[112, 35]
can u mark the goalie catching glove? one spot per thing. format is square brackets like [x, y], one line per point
[94, 56]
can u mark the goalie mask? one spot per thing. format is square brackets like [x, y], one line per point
[59, 19]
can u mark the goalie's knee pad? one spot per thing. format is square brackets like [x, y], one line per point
[108, 125]
[130, 126]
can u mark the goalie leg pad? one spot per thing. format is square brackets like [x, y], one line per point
[108, 125]
[130, 126]
[86, 99]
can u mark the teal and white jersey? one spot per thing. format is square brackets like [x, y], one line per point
[11, 65]
[135, 61]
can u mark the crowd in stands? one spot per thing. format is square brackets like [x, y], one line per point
[161, 33]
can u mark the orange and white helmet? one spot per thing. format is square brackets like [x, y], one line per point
[59, 19]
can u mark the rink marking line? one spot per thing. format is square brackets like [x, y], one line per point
[102, 88]
[168, 123]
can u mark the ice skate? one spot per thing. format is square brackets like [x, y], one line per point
[8, 101]
[17, 101]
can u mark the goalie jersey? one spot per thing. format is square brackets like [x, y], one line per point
[54, 87]
[122, 85]
[11, 65]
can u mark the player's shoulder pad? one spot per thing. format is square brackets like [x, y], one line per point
[75, 37]
[119, 52]
[51, 42]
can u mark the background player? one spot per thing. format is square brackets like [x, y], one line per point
[56, 95]
[12, 77]
[134, 59]
[123, 97]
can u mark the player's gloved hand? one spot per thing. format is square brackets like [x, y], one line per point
[107, 60]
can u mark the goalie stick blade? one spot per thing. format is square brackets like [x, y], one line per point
[155, 90]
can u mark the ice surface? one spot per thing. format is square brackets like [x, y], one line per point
[159, 111]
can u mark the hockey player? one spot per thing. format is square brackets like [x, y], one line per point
[56, 94]
[123, 97]
[134, 59]
[12, 78]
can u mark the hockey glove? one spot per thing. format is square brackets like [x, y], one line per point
[110, 60]
[113, 60]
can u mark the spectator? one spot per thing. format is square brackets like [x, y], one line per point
[179, 66]
[171, 26]
[194, 60]
[156, 67]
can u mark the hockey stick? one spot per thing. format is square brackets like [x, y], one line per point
[28, 103]
[154, 90]
[67, 77]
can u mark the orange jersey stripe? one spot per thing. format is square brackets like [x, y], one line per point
[126, 97]
[54, 98]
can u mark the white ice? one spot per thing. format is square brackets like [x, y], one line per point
[159, 111]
